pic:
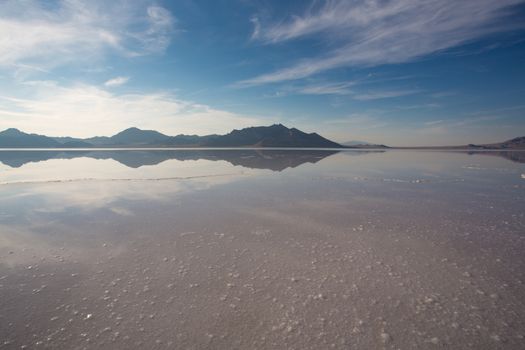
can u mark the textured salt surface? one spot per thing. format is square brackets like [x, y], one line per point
[313, 257]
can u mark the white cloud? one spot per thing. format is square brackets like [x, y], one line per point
[256, 27]
[117, 81]
[350, 89]
[375, 32]
[86, 110]
[156, 37]
[339, 88]
[34, 34]
[433, 122]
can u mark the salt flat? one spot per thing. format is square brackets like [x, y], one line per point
[254, 249]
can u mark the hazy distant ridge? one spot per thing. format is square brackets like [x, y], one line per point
[515, 143]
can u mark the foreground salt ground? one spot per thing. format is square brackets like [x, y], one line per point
[331, 255]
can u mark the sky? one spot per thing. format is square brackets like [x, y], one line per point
[401, 73]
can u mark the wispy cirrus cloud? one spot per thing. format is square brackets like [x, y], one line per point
[39, 34]
[434, 122]
[376, 32]
[352, 89]
[376, 95]
[256, 27]
[117, 81]
[338, 88]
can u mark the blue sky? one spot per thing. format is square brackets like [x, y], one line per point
[404, 72]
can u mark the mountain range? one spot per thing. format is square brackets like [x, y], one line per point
[276, 135]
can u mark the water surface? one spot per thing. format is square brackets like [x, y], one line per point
[250, 249]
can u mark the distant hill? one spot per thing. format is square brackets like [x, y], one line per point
[355, 143]
[362, 145]
[276, 135]
[14, 138]
[189, 140]
[76, 144]
[135, 136]
[129, 137]
[515, 143]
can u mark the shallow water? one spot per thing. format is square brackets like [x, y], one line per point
[244, 249]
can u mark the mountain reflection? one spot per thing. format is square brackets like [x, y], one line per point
[271, 159]
[275, 160]
[515, 156]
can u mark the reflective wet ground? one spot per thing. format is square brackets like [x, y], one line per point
[243, 249]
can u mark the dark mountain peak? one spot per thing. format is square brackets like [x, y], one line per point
[276, 135]
[134, 131]
[12, 132]
[271, 128]
[135, 135]
[278, 126]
